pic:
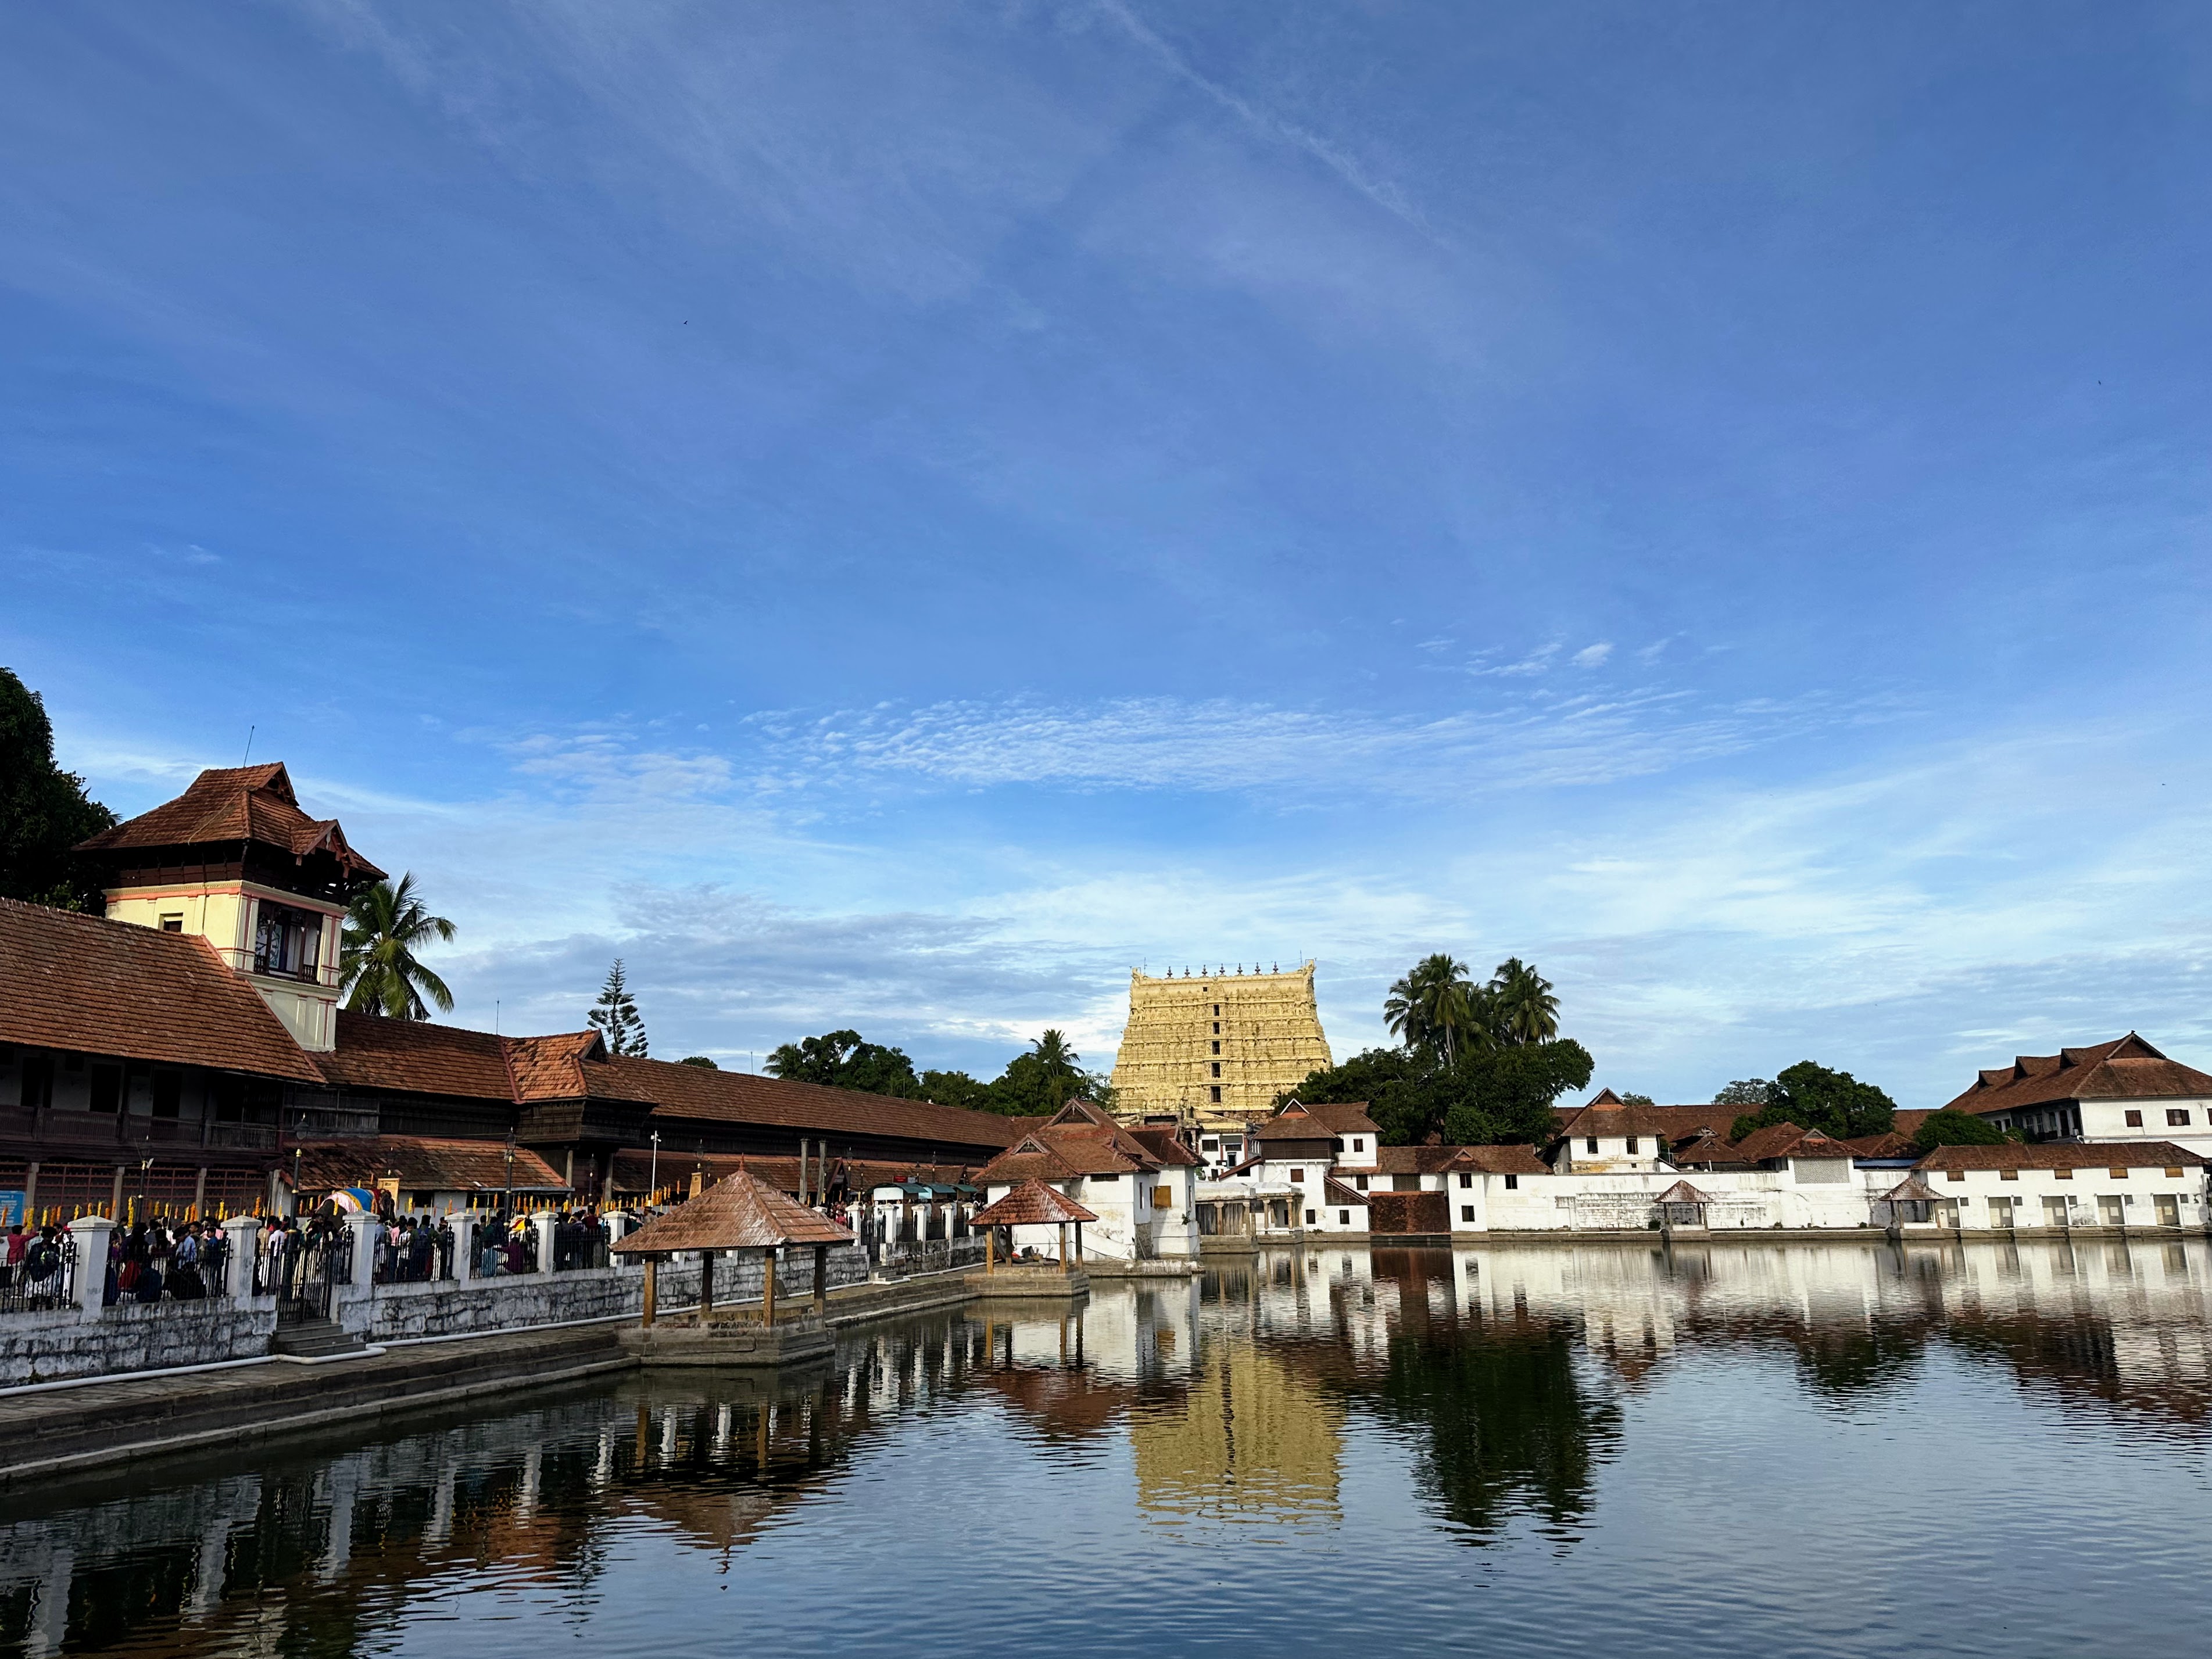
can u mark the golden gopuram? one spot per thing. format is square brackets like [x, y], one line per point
[1214, 1049]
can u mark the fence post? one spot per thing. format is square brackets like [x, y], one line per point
[91, 1233]
[367, 1231]
[464, 1223]
[242, 1234]
[542, 1224]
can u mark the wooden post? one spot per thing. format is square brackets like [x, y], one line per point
[1078, 1240]
[821, 1279]
[990, 1251]
[768, 1285]
[1063, 1247]
[652, 1291]
[706, 1286]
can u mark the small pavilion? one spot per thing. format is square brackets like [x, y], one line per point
[1912, 1200]
[738, 1213]
[1683, 1205]
[1032, 1204]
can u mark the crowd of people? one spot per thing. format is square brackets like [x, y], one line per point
[149, 1261]
[34, 1277]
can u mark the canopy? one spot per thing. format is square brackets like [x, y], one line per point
[1032, 1204]
[740, 1211]
[1911, 1190]
[351, 1198]
[1683, 1192]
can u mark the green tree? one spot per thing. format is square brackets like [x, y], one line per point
[1753, 1092]
[1814, 1097]
[1522, 1007]
[1950, 1129]
[44, 811]
[1432, 1006]
[384, 926]
[845, 1059]
[1637, 1100]
[957, 1089]
[1046, 1078]
[615, 1015]
[700, 1060]
[1484, 1096]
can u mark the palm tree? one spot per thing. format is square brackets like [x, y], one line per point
[1527, 1010]
[384, 927]
[1433, 1006]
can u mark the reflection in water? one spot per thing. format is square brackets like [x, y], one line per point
[1496, 1388]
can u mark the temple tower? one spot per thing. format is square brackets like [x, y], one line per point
[235, 860]
[1217, 1047]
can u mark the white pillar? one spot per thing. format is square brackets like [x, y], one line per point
[464, 1223]
[365, 1229]
[91, 1234]
[243, 1233]
[543, 1223]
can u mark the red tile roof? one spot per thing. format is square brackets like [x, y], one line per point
[110, 988]
[1336, 1192]
[1032, 1204]
[1300, 1122]
[1497, 1160]
[2126, 1068]
[417, 1057]
[1053, 1152]
[693, 1092]
[1165, 1146]
[2063, 1155]
[423, 1162]
[550, 1067]
[740, 1211]
[231, 805]
[1788, 1141]
[1674, 1123]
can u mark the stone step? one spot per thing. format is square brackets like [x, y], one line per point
[315, 1338]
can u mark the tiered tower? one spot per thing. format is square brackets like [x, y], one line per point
[1217, 1047]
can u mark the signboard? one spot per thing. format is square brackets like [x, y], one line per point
[11, 1209]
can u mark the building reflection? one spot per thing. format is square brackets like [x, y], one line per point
[1493, 1378]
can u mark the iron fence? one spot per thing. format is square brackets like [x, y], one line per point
[411, 1254]
[45, 1278]
[578, 1244]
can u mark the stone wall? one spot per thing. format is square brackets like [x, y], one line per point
[47, 1347]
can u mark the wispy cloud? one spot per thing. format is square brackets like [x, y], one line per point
[1382, 192]
[1159, 743]
[1594, 656]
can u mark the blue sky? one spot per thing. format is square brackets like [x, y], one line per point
[891, 515]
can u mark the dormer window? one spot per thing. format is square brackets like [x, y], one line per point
[173, 922]
[287, 943]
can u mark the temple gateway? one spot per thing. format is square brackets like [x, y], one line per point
[1212, 1051]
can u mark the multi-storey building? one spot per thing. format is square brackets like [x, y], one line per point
[1211, 1051]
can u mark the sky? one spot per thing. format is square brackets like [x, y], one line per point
[891, 516]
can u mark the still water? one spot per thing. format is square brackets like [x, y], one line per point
[1719, 1450]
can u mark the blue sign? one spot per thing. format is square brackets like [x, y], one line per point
[11, 1208]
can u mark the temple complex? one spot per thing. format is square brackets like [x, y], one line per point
[1212, 1050]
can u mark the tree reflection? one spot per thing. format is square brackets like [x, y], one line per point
[1507, 1422]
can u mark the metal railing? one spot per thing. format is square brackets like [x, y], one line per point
[45, 1278]
[412, 1254]
[579, 1245]
[517, 1249]
[303, 1270]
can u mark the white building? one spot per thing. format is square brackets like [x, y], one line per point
[1142, 1183]
[2124, 1090]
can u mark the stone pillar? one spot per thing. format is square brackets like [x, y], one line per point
[91, 1233]
[543, 1223]
[365, 1230]
[243, 1233]
[464, 1223]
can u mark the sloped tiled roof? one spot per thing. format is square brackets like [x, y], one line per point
[1888, 1144]
[1674, 1123]
[738, 1213]
[1032, 1204]
[230, 804]
[2126, 1068]
[551, 1067]
[1683, 1192]
[1911, 1190]
[693, 1092]
[1053, 1152]
[1336, 1192]
[419, 1161]
[2063, 1155]
[1294, 1122]
[1497, 1160]
[110, 988]
[1165, 1146]
[1788, 1141]
[417, 1057]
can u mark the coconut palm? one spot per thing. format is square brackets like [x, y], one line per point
[1433, 1006]
[384, 927]
[1526, 1011]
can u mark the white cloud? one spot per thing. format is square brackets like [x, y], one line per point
[1591, 656]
